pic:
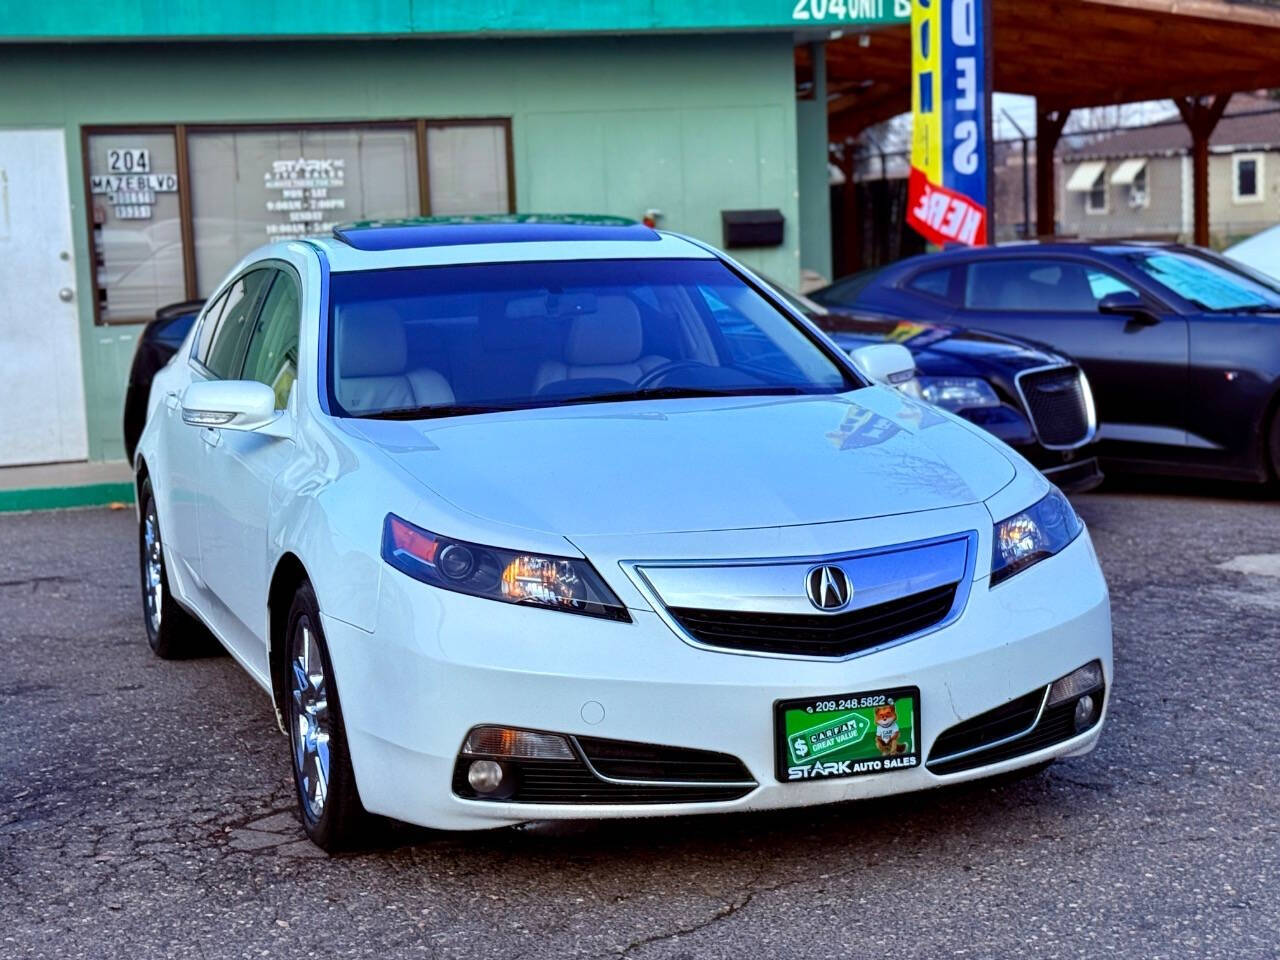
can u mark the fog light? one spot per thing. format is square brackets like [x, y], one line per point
[1075, 684]
[1086, 712]
[485, 776]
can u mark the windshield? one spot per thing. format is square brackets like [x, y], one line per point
[442, 341]
[1209, 285]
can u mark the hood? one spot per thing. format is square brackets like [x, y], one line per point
[698, 464]
[940, 349]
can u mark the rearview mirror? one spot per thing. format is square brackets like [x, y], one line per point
[230, 405]
[1126, 303]
[890, 363]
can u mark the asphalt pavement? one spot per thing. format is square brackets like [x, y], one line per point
[146, 808]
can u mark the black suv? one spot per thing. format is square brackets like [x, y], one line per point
[1037, 401]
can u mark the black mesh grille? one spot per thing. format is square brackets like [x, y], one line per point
[1056, 402]
[570, 781]
[823, 635]
[624, 760]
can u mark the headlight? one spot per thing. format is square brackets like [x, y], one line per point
[1028, 537]
[557, 583]
[958, 393]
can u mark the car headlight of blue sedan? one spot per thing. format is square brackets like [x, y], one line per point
[958, 393]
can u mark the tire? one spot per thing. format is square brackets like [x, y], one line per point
[172, 633]
[328, 801]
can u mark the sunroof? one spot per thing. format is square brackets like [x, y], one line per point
[523, 228]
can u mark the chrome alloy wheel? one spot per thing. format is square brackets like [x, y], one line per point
[152, 568]
[309, 718]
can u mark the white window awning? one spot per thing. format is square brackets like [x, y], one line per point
[1086, 176]
[1128, 171]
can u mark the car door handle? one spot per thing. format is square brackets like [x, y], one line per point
[171, 400]
[211, 435]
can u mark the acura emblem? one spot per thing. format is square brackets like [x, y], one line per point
[828, 588]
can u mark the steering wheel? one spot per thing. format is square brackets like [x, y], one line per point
[660, 372]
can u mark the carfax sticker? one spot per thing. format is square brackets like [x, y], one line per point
[848, 735]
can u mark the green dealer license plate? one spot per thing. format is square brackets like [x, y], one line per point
[848, 735]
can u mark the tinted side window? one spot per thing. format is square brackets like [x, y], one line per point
[272, 357]
[933, 283]
[208, 326]
[228, 339]
[1030, 286]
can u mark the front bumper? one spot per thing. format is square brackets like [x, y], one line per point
[1074, 471]
[439, 664]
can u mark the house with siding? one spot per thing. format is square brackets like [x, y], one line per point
[1137, 183]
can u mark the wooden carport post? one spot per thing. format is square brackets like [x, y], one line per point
[1201, 116]
[1049, 124]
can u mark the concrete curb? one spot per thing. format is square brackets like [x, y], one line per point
[59, 498]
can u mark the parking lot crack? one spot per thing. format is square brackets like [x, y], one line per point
[724, 913]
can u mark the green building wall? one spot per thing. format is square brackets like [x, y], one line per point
[687, 125]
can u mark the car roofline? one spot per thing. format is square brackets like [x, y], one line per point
[344, 258]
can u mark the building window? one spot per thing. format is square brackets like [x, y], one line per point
[468, 169]
[210, 194]
[1246, 177]
[135, 219]
[1090, 178]
[255, 186]
[1139, 198]
[1095, 201]
[1132, 176]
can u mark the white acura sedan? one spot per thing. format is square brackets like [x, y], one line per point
[518, 520]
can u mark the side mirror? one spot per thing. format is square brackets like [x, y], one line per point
[230, 405]
[1126, 303]
[890, 363]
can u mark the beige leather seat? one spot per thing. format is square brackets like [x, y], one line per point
[607, 343]
[371, 362]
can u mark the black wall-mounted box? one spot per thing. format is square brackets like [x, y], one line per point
[751, 228]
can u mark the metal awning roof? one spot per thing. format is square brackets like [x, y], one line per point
[1128, 171]
[1070, 53]
[1086, 176]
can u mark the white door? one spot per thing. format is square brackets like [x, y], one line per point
[44, 419]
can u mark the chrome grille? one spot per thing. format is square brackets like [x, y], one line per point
[764, 607]
[1059, 405]
[819, 635]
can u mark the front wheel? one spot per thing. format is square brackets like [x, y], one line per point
[331, 810]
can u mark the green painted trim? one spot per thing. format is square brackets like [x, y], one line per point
[59, 498]
[232, 19]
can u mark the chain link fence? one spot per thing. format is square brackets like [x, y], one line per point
[1100, 193]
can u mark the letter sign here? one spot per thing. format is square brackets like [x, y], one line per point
[947, 187]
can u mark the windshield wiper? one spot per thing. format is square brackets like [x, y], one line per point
[432, 413]
[1251, 308]
[680, 393]
[648, 393]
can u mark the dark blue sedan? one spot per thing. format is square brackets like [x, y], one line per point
[1033, 399]
[1181, 346]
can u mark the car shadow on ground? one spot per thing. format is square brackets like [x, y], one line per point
[1163, 485]
[967, 810]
